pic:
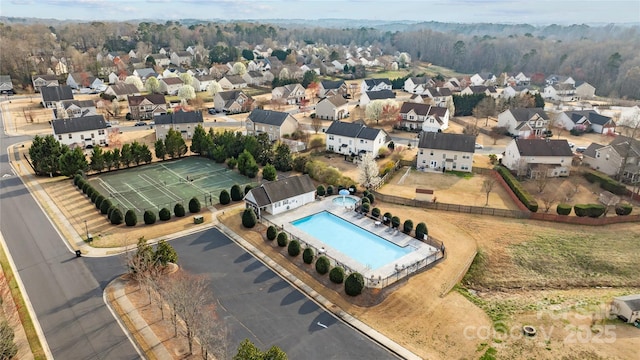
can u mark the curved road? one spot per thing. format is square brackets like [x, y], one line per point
[67, 292]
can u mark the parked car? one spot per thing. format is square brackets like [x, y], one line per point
[479, 146]
[108, 124]
[581, 149]
[212, 111]
[140, 123]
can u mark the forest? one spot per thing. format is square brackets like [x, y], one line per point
[605, 56]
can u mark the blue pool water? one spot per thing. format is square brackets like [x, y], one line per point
[344, 201]
[362, 246]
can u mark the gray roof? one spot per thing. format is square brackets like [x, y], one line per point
[56, 93]
[591, 115]
[478, 89]
[420, 80]
[282, 189]
[268, 117]
[525, 114]
[543, 147]
[235, 79]
[157, 99]
[353, 130]
[381, 95]
[72, 125]
[328, 84]
[5, 79]
[632, 301]
[124, 89]
[446, 141]
[374, 82]
[179, 117]
[591, 150]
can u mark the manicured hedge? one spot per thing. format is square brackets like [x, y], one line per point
[308, 255]
[99, 201]
[421, 230]
[225, 198]
[606, 183]
[371, 197]
[375, 212]
[248, 218]
[581, 210]
[294, 248]
[130, 218]
[517, 188]
[365, 200]
[272, 232]
[336, 275]
[407, 226]
[330, 190]
[386, 218]
[164, 214]
[563, 209]
[395, 222]
[194, 205]
[236, 193]
[104, 207]
[116, 217]
[354, 284]
[320, 190]
[149, 217]
[283, 239]
[94, 196]
[178, 210]
[623, 209]
[322, 265]
[365, 207]
[590, 210]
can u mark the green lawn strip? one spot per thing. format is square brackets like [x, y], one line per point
[23, 313]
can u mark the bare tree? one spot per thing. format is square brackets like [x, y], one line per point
[497, 132]
[485, 108]
[548, 198]
[541, 177]
[212, 334]
[487, 187]
[471, 129]
[316, 124]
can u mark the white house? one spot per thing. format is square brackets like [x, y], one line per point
[232, 101]
[40, 81]
[425, 117]
[524, 122]
[538, 157]
[354, 138]
[480, 89]
[170, 85]
[587, 120]
[375, 85]
[232, 82]
[282, 195]
[584, 90]
[6, 86]
[85, 131]
[370, 96]
[627, 308]
[332, 108]
[443, 151]
[329, 88]
[417, 85]
[290, 93]
[74, 108]
[52, 96]
[184, 122]
[276, 124]
[483, 79]
[560, 92]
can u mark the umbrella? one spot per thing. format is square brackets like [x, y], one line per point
[343, 192]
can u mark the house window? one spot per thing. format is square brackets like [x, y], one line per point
[92, 135]
[330, 137]
[70, 136]
[361, 141]
[81, 137]
[455, 157]
[100, 132]
[421, 151]
[431, 153]
[102, 142]
[330, 147]
[444, 156]
[607, 157]
[424, 161]
[59, 137]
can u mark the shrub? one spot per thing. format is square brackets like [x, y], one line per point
[563, 209]
[407, 226]
[371, 197]
[294, 248]
[596, 210]
[386, 218]
[365, 200]
[365, 207]
[395, 222]
[80, 184]
[581, 210]
[247, 189]
[178, 210]
[283, 239]
[375, 212]
[232, 162]
[336, 275]
[116, 217]
[130, 218]
[110, 211]
[76, 179]
[623, 209]
[269, 172]
[90, 192]
[322, 265]
[104, 207]
[224, 197]
[320, 190]
[94, 196]
[149, 217]
[194, 205]
[248, 218]
[308, 255]
[85, 187]
[517, 188]
[272, 232]
[354, 284]
[421, 230]
[99, 199]
[325, 173]
[236, 194]
[330, 190]
[606, 183]
[365, 193]
[164, 214]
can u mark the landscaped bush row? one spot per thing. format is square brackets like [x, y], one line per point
[590, 210]
[236, 194]
[606, 183]
[517, 188]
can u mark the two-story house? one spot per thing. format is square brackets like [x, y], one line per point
[538, 157]
[370, 96]
[171, 85]
[84, 80]
[439, 95]
[52, 96]
[290, 94]
[181, 58]
[587, 120]
[375, 85]
[330, 88]
[276, 124]
[85, 131]
[232, 82]
[355, 138]
[480, 89]
[6, 85]
[524, 122]
[609, 159]
[74, 108]
[333, 107]
[233, 101]
[184, 122]
[417, 85]
[145, 107]
[560, 92]
[122, 91]
[443, 151]
[424, 117]
[254, 77]
[40, 81]
[282, 195]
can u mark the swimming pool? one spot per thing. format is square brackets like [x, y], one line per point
[344, 201]
[368, 249]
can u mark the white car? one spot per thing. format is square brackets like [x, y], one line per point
[479, 146]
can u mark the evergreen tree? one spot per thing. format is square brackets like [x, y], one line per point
[97, 159]
[199, 140]
[161, 151]
[72, 161]
[283, 159]
[174, 144]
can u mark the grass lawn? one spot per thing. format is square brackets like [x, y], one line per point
[391, 74]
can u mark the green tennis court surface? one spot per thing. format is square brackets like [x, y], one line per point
[152, 187]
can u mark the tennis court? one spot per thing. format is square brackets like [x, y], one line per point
[152, 187]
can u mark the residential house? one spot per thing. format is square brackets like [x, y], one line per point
[203, 82]
[370, 96]
[74, 108]
[184, 122]
[423, 117]
[480, 89]
[609, 158]
[560, 92]
[291, 93]
[330, 88]
[355, 138]
[282, 195]
[122, 90]
[375, 85]
[53, 95]
[145, 107]
[60, 67]
[586, 121]
[115, 77]
[440, 95]
[333, 107]
[180, 58]
[145, 73]
[276, 124]
[513, 79]
[511, 91]
[584, 90]
[417, 85]
[232, 82]
[452, 84]
[417, 98]
[538, 157]
[86, 80]
[160, 59]
[486, 79]
[233, 101]
[627, 308]
[6, 86]
[310, 67]
[40, 81]
[559, 79]
[442, 151]
[170, 85]
[87, 131]
[524, 122]
[255, 78]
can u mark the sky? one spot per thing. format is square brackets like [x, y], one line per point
[537, 12]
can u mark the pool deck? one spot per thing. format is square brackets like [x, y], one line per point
[422, 250]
